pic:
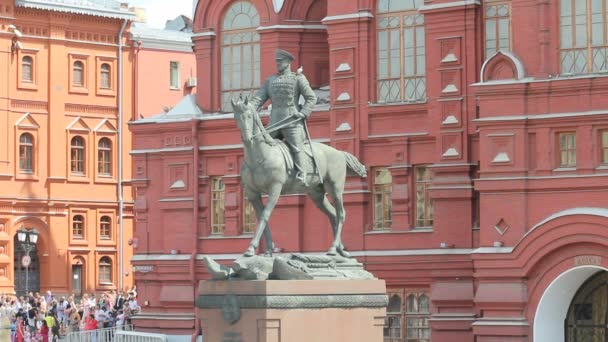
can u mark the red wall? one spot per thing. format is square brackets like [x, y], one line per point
[483, 281]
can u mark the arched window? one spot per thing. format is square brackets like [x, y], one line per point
[77, 155]
[105, 270]
[583, 36]
[27, 69]
[26, 153]
[104, 157]
[78, 79]
[400, 51]
[240, 46]
[105, 228]
[394, 316]
[105, 79]
[78, 227]
[587, 317]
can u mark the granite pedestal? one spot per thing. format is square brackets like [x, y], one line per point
[292, 310]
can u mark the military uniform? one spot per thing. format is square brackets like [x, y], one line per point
[284, 89]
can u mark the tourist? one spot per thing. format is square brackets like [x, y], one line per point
[74, 320]
[44, 331]
[20, 333]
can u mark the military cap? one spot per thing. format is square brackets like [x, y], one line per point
[282, 54]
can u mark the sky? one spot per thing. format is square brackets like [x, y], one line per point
[159, 11]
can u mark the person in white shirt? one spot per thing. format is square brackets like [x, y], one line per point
[101, 317]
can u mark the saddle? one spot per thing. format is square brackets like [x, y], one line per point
[308, 166]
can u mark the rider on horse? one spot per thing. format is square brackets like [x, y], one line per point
[284, 89]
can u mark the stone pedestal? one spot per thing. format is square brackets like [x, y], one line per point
[292, 310]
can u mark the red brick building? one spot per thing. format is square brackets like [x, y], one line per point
[485, 128]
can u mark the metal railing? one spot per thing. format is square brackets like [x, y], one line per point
[97, 335]
[136, 336]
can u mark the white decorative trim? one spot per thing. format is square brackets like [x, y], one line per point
[450, 57]
[78, 8]
[74, 122]
[348, 16]
[220, 147]
[25, 116]
[519, 66]
[343, 67]
[451, 152]
[450, 88]
[162, 150]
[502, 322]
[180, 199]
[178, 184]
[449, 5]
[343, 127]
[449, 120]
[541, 177]
[292, 27]
[501, 157]
[277, 5]
[601, 212]
[541, 116]
[204, 34]
[104, 121]
[398, 135]
[343, 97]
[369, 253]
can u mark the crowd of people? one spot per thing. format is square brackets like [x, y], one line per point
[45, 318]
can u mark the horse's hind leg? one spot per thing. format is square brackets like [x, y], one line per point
[336, 192]
[273, 198]
[318, 197]
[255, 199]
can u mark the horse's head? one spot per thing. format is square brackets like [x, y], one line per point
[244, 114]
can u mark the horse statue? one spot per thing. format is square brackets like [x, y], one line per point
[266, 170]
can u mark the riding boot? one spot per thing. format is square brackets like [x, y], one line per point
[300, 173]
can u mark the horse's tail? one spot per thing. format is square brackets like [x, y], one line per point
[354, 166]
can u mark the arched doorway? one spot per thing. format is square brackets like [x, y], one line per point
[26, 279]
[557, 302]
[588, 313]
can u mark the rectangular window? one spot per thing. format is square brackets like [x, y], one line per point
[424, 204]
[497, 27]
[217, 206]
[407, 316]
[105, 274]
[401, 57]
[605, 147]
[567, 149]
[174, 75]
[383, 183]
[583, 36]
[250, 221]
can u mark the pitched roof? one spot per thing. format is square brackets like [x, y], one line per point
[184, 110]
[100, 8]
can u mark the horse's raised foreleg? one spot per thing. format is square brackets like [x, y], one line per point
[273, 197]
[255, 198]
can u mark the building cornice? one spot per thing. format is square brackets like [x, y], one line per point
[449, 5]
[358, 15]
[75, 8]
[292, 27]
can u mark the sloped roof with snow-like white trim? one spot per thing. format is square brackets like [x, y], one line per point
[99, 8]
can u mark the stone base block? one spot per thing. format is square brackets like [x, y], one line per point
[292, 310]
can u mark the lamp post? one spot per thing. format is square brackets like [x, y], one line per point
[28, 241]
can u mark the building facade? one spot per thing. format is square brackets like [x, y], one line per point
[65, 98]
[165, 66]
[484, 126]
